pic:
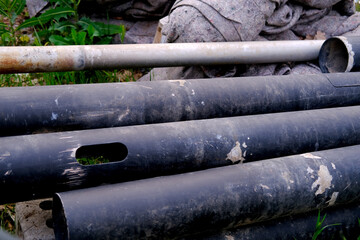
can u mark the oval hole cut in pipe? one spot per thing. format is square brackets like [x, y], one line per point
[340, 54]
[101, 153]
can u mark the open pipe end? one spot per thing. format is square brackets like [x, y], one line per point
[60, 224]
[335, 56]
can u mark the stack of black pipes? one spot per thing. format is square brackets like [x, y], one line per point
[236, 158]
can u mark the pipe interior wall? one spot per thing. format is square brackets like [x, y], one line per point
[340, 54]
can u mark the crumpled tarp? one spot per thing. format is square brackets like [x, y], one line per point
[134, 9]
[138, 9]
[318, 3]
[253, 20]
[216, 21]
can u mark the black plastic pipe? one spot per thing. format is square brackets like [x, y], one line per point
[41, 164]
[58, 108]
[342, 223]
[208, 201]
[340, 54]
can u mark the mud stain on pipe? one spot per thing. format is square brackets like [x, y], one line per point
[181, 82]
[333, 198]
[235, 155]
[310, 156]
[323, 181]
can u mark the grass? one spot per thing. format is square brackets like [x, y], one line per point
[319, 228]
[60, 78]
[15, 80]
[93, 161]
[7, 217]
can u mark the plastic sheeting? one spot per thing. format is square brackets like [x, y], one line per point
[253, 20]
[138, 9]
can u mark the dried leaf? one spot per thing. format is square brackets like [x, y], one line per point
[320, 36]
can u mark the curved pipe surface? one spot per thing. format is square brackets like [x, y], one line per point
[178, 206]
[74, 58]
[342, 222]
[41, 164]
[25, 110]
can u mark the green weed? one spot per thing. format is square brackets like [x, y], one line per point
[7, 217]
[85, 77]
[74, 77]
[358, 238]
[92, 161]
[10, 10]
[319, 228]
[62, 25]
[16, 80]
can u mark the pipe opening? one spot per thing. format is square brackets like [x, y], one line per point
[334, 56]
[101, 153]
[59, 219]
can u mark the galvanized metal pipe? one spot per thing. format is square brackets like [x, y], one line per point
[208, 201]
[58, 108]
[74, 58]
[39, 165]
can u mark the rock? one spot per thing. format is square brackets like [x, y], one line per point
[141, 32]
[35, 6]
[31, 220]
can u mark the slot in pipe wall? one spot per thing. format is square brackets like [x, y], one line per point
[39, 165]
[178, 206]
[74, 58]
[26, 110]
